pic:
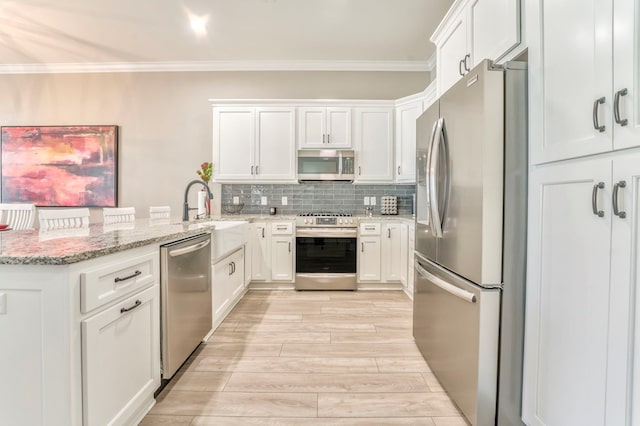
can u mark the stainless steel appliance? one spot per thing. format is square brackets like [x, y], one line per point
[325, 164]
[326, 245]
[185, 293]
[471, 241]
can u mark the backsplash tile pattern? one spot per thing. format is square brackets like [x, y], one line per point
[316, 196]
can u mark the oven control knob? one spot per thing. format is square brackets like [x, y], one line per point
[340, 221]
[307, 221]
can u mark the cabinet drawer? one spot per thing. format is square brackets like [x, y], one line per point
[369, 229]
[282, 228]
[111, 281]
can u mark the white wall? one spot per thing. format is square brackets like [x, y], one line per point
[165, 118]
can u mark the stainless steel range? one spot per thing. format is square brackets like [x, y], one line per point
[326, 245]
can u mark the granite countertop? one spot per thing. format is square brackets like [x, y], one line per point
[65, 246]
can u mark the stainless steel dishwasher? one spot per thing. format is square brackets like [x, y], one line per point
[185, 285]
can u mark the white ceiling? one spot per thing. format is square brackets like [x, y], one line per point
[118, 35]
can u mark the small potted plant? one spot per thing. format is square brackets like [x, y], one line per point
[204, 172]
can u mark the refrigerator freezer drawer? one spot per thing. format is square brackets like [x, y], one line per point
[455, 325]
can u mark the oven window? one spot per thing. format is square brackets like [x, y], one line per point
[325, 255]
[318, 165]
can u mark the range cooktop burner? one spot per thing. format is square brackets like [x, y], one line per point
[325, 214]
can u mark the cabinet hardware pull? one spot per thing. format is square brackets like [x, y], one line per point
[460, 67]
[289, 246]
[362, 248]
[251, 169]
[389, 233]
[262, 232]
[257, 172]
[594, 199]
[616, 209]
[324, 138]
[234, 267]
[398, 169]
[616, 108]
[466, 67]
[230, 269]
[596, 105]
[135, 305]
[128, 277]
[359, 170]
[328, 138]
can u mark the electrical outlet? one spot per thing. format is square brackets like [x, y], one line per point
[236, 200]
[263, 201]
[372, 201]
[284, 201]
[366, 201]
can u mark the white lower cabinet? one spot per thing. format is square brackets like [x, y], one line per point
[228, 285]
[581, 297]
[281, 258]
[120, 358]
[382, 252]
[369, 267]
[260, 252]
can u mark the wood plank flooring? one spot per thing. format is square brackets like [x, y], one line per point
[309, 358]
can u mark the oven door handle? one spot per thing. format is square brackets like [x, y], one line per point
[327, 233]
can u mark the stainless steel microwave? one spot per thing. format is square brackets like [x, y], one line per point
[325, 164]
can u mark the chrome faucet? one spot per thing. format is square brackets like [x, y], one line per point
[185, 208]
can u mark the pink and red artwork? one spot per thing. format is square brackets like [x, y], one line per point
[66, 166]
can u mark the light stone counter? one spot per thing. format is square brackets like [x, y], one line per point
[62, 247]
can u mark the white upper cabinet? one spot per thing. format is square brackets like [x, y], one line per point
[626, 73]
[495, 28]
[254, 143]
[275, 150]
[474, 30]
[406, 116]
[584, 89]
[374, 144]
[233, 143]
[324, 128]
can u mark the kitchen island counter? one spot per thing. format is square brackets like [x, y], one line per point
[67, 246]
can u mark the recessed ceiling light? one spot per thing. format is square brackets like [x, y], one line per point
[199, 24]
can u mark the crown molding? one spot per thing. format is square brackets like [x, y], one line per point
[112, 67]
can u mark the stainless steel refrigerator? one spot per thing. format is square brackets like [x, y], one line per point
[471, 241]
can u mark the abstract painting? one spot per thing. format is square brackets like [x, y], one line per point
[65, 166]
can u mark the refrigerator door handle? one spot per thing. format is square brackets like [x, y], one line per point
[427, 177]
[434, 217]
[449, 288]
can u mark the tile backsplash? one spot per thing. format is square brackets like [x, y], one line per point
[316, 196]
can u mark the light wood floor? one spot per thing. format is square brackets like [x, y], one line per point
[309, 358]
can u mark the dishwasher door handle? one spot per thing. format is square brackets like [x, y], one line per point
[189, 249]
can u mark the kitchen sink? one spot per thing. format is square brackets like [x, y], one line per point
[228, 236]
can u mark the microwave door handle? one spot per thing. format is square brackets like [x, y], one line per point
[434, 217]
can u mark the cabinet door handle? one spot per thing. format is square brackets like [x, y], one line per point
[128, 277]
[262, 232]
[289, 246]
[252, 170]
[466, 67]
[616, 208]
[594, 199]
[460, 67]
[362, 247]
[398, 169]
[324, 138]
[328, 138]
[230, 269]
[616, 108]
[359, 171]
[596, 105]
[257, 172]
[135, 305]
[388, 232]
